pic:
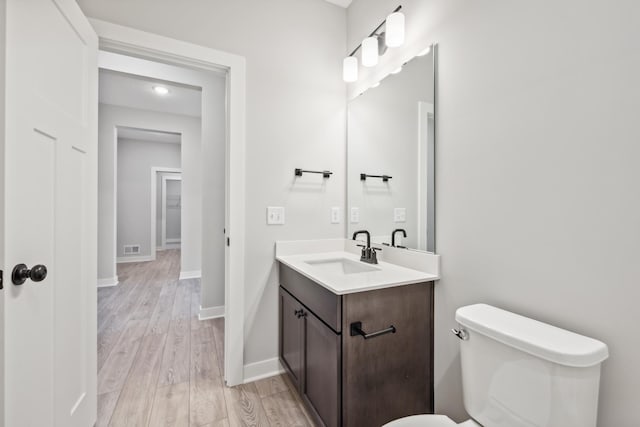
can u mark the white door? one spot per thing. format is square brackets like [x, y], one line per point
[49, 207]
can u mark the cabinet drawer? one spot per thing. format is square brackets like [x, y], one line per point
[324, 304]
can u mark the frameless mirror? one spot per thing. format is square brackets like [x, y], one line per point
[390, 158]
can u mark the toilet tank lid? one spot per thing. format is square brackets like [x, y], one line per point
[531, 336]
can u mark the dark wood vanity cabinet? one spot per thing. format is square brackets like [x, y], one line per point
[344, 379]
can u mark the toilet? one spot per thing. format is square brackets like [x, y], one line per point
[518, 372]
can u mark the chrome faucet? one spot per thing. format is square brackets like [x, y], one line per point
[368, 253]
[393, 236]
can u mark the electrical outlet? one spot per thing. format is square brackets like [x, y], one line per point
[355, 215]
[275, 215]
[335, 215]
[400, 215]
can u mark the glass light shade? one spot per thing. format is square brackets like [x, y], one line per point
[370, 52]
[350, 69]
[395, 29]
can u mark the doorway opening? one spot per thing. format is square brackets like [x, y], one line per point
[155, 217]
[190, 57]
[169, 207]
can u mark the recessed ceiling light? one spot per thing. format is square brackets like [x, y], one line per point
[375, 85]
[160, 90]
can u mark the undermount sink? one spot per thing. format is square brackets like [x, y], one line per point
[341, 266]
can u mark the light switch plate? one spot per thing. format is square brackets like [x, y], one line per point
[275, 215]
[335, 215]
[355, 215]
[400, 215]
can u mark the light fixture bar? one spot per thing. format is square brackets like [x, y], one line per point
[373, 33]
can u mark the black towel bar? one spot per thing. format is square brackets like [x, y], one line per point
[325, 174]
[385, 178]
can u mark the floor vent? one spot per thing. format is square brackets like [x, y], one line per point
[131, 249]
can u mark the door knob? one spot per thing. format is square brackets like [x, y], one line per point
[21, 273]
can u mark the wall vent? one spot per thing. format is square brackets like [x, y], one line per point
[131, 249]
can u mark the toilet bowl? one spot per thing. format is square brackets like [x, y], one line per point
[429, 421]
[519, 372]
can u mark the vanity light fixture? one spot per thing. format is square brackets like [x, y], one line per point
[160, 90]
[375, 45]
[395, 29]
[370, 51]
[350, 69]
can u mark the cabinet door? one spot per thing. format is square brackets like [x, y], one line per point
[291, 338]
[389, 376]
[322, 370]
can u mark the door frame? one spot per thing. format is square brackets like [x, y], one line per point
[163, 204]
[155, 170]
[132, 42]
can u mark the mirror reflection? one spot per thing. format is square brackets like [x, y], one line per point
[391, 139]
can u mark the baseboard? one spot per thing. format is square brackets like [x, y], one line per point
[108, 282]
[195, 274]
[264, 369]
[140, 258]
[211, 312]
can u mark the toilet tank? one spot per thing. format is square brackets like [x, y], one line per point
[518, 372]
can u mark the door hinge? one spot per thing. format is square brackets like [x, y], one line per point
[1, 275]
[228, 242]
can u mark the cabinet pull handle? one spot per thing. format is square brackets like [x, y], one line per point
[297, 312]
[356, 329]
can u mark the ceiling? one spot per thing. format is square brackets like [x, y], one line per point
[133, 91]
[148, 135]
[343, 3]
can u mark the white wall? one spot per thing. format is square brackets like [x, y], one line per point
[111, 116]
[295, 118]
[537, 172]
[135, 160]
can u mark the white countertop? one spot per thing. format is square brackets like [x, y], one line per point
[387, 275]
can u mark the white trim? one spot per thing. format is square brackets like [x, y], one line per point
[425, 111]
[115, 199]
[141, 258]
[163, 214]
[263, 369]
[341, 3]
[211, 312]
[139, 43]
[108, 282]
[195, 274]
[155, 170]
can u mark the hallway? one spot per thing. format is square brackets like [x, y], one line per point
[158, 365]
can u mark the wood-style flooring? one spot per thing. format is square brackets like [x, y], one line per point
[158, 365]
